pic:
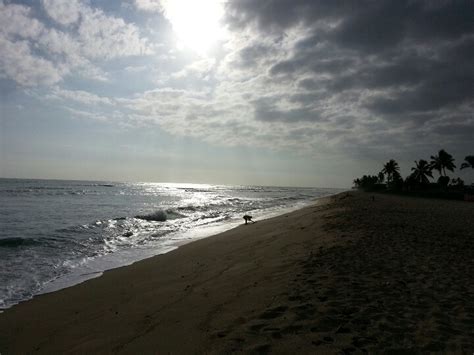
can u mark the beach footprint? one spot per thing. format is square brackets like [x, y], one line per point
[273, 313]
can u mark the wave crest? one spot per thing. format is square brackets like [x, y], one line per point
[160, 215]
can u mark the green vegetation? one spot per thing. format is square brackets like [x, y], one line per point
[419, 181]
[421, 173]
[469, 162]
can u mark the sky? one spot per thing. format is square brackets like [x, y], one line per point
[267, 92]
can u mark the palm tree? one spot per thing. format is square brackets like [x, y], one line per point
[421, 172]
[390, 168]
[458, 182]
[469, 162]
[356, 182]
[442, 161]
[381, 177]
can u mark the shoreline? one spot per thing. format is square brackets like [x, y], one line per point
[126, 258]
[306, 281]
[90, 268]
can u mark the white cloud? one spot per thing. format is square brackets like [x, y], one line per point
[135, 69]
[102, 36]
[18, 63]
[87, 114]
[200, 69]
[16, 20]
[35, 54]
[80, 96]
[219, 119]
[64, 12]
[149, 5]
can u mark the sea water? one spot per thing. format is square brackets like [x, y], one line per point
[54, 233]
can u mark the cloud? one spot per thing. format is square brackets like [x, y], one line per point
[64, 12]
[199, 69]
[268, 110]
[404, 64]
[18, 62]
[458, 131]
[313, 76]
[80, 96]
[149, 5]
[106, 37]
[37, 53]
[84, 114]
[17, 21]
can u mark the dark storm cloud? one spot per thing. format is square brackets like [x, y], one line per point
[266, 110]
[371, 74]
[460, 131]
[250, 55]
[447, 83]
[290, 115]
[309, 84]
[346, 122]
[281, 14]
[307, 98]
[406, 71]
[402, 61]
[364, 23]
[401, 73]
[373, 28]
[303, 64]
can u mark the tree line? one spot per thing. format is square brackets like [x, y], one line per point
[389, 178]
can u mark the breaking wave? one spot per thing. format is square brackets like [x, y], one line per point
[53, 229]
[160, 215]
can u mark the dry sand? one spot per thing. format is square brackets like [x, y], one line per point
[349, 274]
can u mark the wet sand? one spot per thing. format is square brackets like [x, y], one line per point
[349, 274]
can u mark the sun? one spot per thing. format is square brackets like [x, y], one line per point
[196, 23]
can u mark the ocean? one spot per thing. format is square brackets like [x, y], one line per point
[54, 234]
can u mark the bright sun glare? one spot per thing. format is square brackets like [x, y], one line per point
[197, 23]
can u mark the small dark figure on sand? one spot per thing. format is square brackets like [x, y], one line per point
[248, 219]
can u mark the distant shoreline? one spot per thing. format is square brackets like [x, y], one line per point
[348, 272]
[58, 233]
[166, 182]
[203, 233]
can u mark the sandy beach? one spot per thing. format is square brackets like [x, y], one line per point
[355, 272]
